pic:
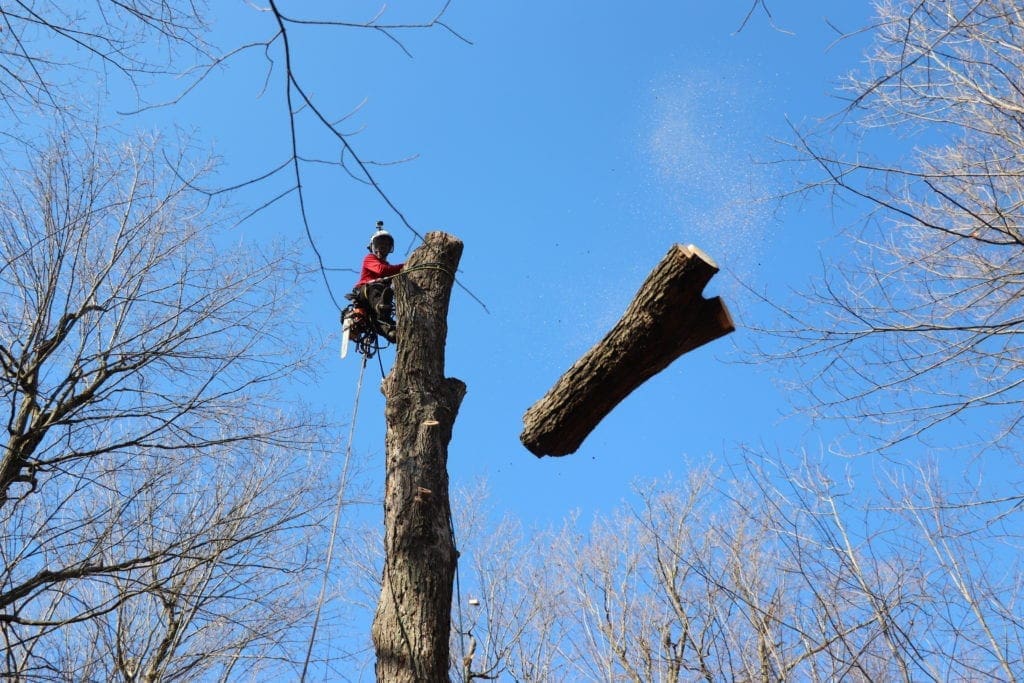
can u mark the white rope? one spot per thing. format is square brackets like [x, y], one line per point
[337, 518]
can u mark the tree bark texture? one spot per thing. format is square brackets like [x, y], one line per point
[413, 619]
[667, 317]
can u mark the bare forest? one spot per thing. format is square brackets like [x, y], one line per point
[175, 507]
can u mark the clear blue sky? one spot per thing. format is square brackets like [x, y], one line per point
[568, 147]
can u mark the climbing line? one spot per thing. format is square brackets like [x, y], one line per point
[458, 589]
[430, 265]
[437, 266]
[380, 362]
[339, 504]
[424, 266]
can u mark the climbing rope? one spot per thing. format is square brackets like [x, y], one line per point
[377, 348]
[343, 483]
[430, 265]
[458, 592]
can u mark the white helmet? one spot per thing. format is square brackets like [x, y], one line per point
[382, 239]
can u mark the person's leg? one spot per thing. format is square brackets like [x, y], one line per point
[361, 297]
[386, 304]
[381, 298]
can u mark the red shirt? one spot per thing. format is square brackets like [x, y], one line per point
[375, 268]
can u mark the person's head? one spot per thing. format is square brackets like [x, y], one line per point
[382, 243]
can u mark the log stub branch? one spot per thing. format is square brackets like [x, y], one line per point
[668, 317]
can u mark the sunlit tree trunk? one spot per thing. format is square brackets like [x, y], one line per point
[411, 627]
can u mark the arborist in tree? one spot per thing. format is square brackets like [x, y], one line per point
[374, 285]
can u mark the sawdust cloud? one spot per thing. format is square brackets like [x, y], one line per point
[707, 137]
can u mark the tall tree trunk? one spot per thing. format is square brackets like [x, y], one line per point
[413, 620]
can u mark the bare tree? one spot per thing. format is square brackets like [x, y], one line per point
[139, 42]
[52, 57]
[303, 108]
[920, 328]
[509, 608]
[155, 490]
[46, 46]
[914, 338]
[775, 573]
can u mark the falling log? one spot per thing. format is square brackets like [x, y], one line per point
[668, 317]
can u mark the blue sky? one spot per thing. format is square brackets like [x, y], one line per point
[569, 146]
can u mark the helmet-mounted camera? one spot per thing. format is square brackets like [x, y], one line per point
[381, 240]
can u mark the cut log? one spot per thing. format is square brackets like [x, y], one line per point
[667, 317]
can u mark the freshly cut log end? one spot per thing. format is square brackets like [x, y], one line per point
[667, 318]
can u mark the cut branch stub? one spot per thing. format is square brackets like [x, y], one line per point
[667, 317]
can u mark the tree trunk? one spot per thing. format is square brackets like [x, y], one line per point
[411, 627]
[666, 318]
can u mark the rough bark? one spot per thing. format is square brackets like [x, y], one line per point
[411, 627]
[666, 318]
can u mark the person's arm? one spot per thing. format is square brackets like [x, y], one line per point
[378, 268]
